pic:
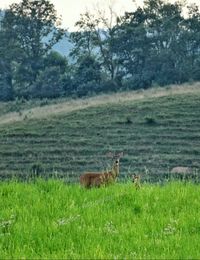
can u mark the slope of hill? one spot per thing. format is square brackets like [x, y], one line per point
[156, 130]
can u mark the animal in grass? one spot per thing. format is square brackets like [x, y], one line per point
[97, 179]
[136, 181]
[181, 170]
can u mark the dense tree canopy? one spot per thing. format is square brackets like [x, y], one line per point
[156, 44]
[29, 30]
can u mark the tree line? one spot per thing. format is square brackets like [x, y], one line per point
[157, 44]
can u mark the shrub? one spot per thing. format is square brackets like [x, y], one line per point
[129, 120]
[44, 102]
[36, 169]
[150, 120]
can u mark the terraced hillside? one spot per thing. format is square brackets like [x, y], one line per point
[156, 130]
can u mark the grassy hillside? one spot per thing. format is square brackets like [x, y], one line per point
[156, 130]
[57, 221]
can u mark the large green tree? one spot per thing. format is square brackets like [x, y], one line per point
[51, 80]
[157, 44]
[191, 41]
[9, 56]
[164, 22]
[132, 46]
[32, 25]
[94, 37]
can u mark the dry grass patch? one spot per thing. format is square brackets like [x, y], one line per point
[80, 104]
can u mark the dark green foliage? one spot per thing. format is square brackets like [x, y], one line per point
[36, 170]
[152, 45]
[51, 80]
[129, 120]
[23, 51]
[87, 76]
[6, 92]
[150, 120]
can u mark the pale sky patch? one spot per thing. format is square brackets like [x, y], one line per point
[70, 10]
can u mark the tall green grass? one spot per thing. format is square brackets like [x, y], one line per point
[49, 219]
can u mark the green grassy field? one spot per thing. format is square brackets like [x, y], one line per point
[52, 220]
[156, 129]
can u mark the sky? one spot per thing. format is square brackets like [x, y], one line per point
[70, 10]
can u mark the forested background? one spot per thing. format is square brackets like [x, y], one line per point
[157, 44]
